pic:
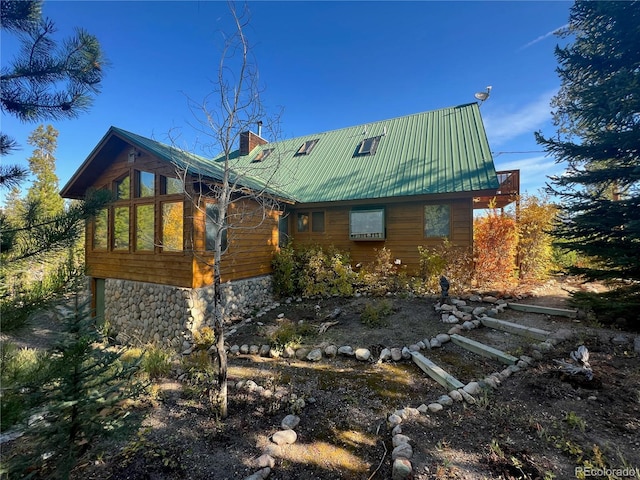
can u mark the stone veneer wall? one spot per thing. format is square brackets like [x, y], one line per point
[140, 313]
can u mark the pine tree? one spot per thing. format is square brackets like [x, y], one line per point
[46, 81]
[81, 399]
[599, 139]
[44, 190]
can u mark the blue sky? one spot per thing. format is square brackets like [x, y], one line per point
[327, 64]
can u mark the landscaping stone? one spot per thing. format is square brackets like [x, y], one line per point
[402, 469]
[406, 354]
[264, 350]
[443, 338]
[385, 355]
[434, 407]
[314, 355]
[284, 437]
[265, 460]
[261, 474]
[331, 351]
[302, 353]
[403, 450]
[394, 420]
[346, 350]
[399, 439]
[362, 354]
[290, 422]
[445, 400]
[435, 343]
[244, 349]
[396, 354]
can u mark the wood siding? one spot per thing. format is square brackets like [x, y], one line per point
[404, 230]
[250, 250]
[252, 242]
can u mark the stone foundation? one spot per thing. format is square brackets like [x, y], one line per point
[140, 313]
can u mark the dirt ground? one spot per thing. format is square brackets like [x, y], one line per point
[539, 424]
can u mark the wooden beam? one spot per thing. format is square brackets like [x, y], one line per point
[483, 350]
[435, 372]
[523, 331]
[560, 312]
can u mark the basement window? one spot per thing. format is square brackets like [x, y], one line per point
[367, 224]
[307, 146]
[262, 155]
[368, 146]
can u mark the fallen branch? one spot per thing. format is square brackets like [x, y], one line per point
[323, 327]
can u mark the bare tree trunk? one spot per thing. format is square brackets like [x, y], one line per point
[220, 350]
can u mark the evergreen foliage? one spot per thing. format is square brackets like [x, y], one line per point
[81, 398]
[44, 190]
[598, 119]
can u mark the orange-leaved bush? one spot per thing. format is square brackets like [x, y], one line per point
[495, 247]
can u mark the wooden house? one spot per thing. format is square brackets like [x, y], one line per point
[398, 183]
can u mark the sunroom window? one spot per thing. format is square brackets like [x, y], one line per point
[100, 230]
[172, 226]
[145, 221]
[145, 185]
[122, 188]
[121, 228]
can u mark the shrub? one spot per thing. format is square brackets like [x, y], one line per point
[290, 334]
[156, 361]
[285, 266]
[21, 371]
[385, 274]
[455, 263]
[495, 244]
[375, 314]
[312, 271]
[204, 338]
[535, 253]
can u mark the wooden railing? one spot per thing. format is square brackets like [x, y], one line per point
[507, 192]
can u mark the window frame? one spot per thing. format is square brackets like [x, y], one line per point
[374, 142]
[163, 248]
[106, 212]
[126, 207]
[136, 232]
[310, 226]
[371, 236]
[138, 184]
[307, 147]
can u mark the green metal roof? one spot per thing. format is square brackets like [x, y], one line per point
[441, 151]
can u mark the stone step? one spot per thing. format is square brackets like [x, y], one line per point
[561, 312]
[434, 371]
[483, 350]
[523, 331]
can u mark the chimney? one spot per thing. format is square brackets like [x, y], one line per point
[249, 140]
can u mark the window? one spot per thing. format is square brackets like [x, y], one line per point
[367, 224]
[368, 146]
[212, 227]
[313, 221]
[100, 232]
[170, 186]
[121, 187]
[121, 228]
[145, 220]
[317, 222]
[145, 185]
[172, 226]
[263, 155]
[303, 222]
[437, 221]
[306, 147]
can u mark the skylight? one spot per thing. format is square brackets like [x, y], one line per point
[262, 156]
[368, 146]
[307, 146]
